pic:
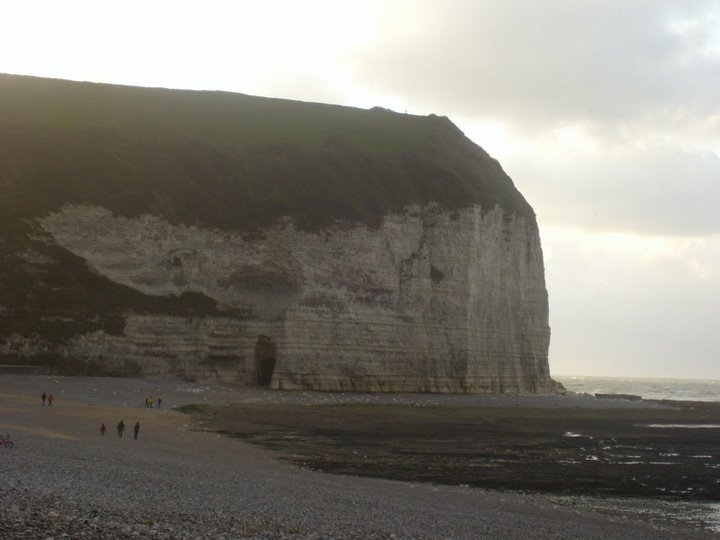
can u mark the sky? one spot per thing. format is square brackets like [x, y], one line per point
[605, 113]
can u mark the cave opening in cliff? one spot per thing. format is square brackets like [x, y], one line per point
[265, 354]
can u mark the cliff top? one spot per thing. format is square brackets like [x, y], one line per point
[230, 161]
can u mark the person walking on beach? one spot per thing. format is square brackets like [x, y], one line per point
[137, 429]
[50, 398]
[159, 402]
[121, 428]
[44, 397]
[102, 428]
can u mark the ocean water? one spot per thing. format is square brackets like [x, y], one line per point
[678, 389]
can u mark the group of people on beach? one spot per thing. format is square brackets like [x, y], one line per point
[149, 401]
[49, 398]
[121, 429]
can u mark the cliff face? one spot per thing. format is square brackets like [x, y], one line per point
[429, 295]
[433, 300]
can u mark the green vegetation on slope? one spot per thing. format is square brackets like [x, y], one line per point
[220, 118]
[230, 161]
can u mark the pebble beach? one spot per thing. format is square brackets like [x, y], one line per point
[63, 479]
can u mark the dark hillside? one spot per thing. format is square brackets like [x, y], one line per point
[229, 161]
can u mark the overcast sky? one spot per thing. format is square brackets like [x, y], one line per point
[606, 114]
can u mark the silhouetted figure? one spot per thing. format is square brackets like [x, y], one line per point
[102, 429]
[159, 402]
[137, 429]
[44, 397]
[51, 398]
[121, 428]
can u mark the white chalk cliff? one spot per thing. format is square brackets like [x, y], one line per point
[431, 301]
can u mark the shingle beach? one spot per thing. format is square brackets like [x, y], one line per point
[63, 479]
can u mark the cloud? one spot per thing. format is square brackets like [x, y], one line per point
[623, 304]
[659, 190]
[542, 64]
[605, 113]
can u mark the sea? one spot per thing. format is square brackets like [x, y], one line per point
[677, 389]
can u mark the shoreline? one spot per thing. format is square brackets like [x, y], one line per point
[176, 393]
[222, 470]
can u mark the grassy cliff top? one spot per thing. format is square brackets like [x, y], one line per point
[230, 161]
